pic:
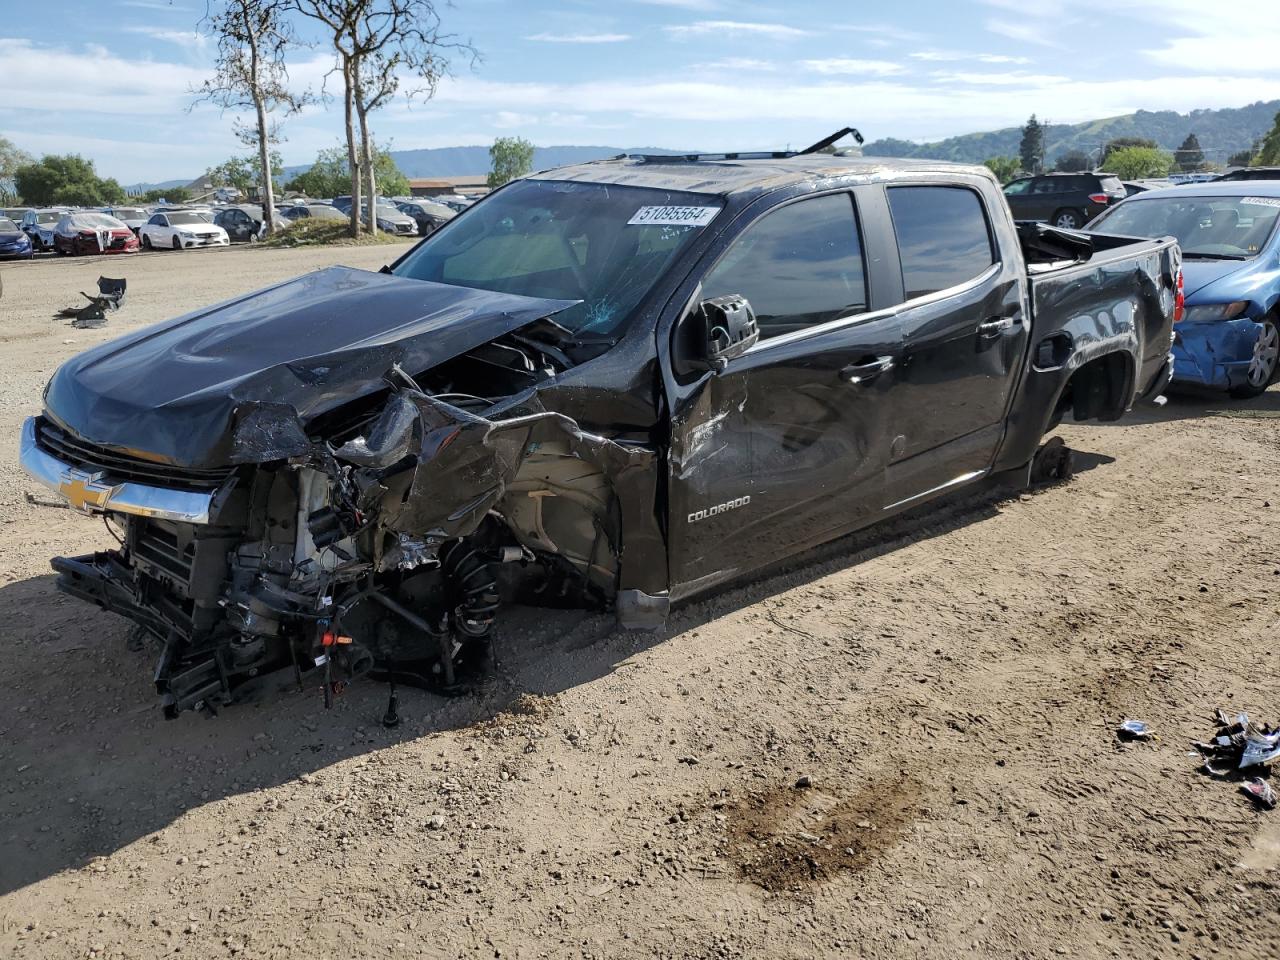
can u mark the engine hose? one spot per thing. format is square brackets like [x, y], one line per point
[475, 590]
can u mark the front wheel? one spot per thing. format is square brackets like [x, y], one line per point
[146, 242]
[1262, 365]
[1068, 219]
[177, 244]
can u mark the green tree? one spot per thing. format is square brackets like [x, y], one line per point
[1190, 157]
[1120, 143]
[1073, 161]
[1005, 168]
[1241, 158]
[510, 157]
[11, 157]
[168, 194]
[69, 180]
[242, 172]
[1139, 163]
[330, 175]
[1031, 149]
[1268, 154]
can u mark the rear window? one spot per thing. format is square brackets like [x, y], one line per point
[943, 237]
[1111, 185]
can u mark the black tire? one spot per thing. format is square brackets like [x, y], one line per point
[177, 244]
[1262, 368]
[146, 242]
[1068, 218]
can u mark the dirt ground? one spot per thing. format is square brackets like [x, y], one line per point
[948, 689]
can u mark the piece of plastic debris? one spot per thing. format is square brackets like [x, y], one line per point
[1238, 744]
[1260, 792]
[1134, 730]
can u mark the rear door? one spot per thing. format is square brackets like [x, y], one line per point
[964, 333]
[786, 446]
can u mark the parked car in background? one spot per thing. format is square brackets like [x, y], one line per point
[87, 231]
[1142, 186]
[132, 217]
[14, 213]
[14, 244]
[427, 215]
[243, 222]
[391, 220]
[39, 224]
[1250, 173]
[317, 211]
[455, 202]
[1067, 200]
[1229, 337]
[182, 229]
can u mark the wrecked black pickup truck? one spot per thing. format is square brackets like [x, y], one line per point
[617, 384]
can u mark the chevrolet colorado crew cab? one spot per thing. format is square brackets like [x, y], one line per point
[621, 383]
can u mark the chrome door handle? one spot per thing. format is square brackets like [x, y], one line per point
[995, 326]
[857, 373]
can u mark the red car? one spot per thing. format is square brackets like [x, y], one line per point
[81, 233]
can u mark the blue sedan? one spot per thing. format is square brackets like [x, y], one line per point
[1229, 336]
[13, 242]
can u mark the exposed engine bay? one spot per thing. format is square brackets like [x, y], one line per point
[378, 540]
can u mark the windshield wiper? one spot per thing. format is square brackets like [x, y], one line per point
[1191, 255]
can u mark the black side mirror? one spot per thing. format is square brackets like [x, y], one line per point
[730, 328]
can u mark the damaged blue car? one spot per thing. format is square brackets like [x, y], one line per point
[1229, 335]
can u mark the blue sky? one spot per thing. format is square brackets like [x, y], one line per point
[109, 79]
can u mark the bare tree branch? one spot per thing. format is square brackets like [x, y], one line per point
[250, 73]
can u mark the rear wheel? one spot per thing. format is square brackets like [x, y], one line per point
[1262, 365]
[1068, 219]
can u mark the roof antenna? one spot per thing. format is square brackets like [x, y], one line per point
[828, 141]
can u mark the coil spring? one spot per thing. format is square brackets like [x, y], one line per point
[474, 589]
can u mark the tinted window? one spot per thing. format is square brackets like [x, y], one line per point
[157, 221]
[943, 238]
[1017, 187]
[799, 265]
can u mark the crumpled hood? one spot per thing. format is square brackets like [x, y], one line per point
[174, 391]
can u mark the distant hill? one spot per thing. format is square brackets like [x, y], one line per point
[1220, 132]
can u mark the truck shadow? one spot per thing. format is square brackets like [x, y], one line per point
[92, 767]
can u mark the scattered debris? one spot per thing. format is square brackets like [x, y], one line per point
[1260, 792]
[1135, 730]
[1238, 744]
[94, 314]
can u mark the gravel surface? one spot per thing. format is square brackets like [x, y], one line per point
[902, 746]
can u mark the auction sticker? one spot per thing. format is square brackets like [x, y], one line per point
[1260, 201]
[674, 216]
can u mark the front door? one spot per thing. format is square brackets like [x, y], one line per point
[786, 446]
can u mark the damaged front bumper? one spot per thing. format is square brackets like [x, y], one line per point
[88, 489]
[1214, 353]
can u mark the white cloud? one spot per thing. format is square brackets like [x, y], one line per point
[187, 39]
[738, 63]
[1041, 33]
[1013, 78]
[778, 31]
[842, 66]
[949, 56]
[580, 37]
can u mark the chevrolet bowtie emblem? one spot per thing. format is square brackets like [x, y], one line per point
[83, 490]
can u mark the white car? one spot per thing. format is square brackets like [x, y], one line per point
[181, 229]
[133, 217]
